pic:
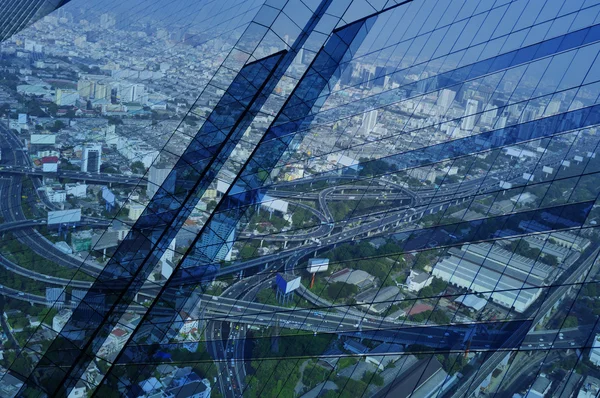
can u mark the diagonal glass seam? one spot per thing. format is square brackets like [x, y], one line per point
[202, 271]
[123, 289]
[25, 13]
[298, 43]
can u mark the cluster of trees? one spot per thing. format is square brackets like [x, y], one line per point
[341, 290]
[138, 167]
[368, 258]
[370, 167]
[264, 217]
[26, 258]
[437, 286]
[521, 247]
[570, 322]
[436, 316]
[303, 217]
[278, 378]
[342, 210]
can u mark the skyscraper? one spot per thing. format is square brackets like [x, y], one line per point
[369, 121]
[91, 158]
[156, 176]
[445, 99]
[470, 116]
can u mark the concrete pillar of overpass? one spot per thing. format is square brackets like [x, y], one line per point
[284, 244]
[261, 243]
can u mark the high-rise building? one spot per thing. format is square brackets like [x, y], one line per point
[381, 77]
[299, 59]
[446, 99]
[595, 351]
[489, 115]
[470, 116]
[369, 121]
[107, 21]
[367, 78]
[91, 158]
[85, 88]
[156, 176]
[65, 97]
[102, 91]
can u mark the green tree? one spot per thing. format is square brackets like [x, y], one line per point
[570, 322]
[58, 125]
[138, 167]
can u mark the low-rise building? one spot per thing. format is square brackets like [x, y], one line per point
[384, 354]
[78, 190]
[356, 277]
[540, 387]
[595, 351]
[590, 388]
[417, 280]
[355, 347]
[379, 299]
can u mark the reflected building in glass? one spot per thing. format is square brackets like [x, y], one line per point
[436, 160]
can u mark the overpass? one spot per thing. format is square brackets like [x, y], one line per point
[99, 178]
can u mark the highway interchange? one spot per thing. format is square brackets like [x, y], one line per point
[414, 205]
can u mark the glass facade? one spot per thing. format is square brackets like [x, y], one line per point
[300, 198]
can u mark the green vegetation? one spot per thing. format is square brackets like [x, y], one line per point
[261, 220]
[370, 167]
[348, 388]
[372, 378]
[267, 296]
[249, 250]
[437, 286]
[341, 210]
[522, 248]
[570, 322]
[302, 217]
[138, 167]
[371, 260]
[21, 255]
[276, 377]
[346, 362]
[452, 363]
[437, 316]
[57, 126]
[341, 290]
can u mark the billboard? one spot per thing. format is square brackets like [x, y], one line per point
[108, 196]
[64, 216]
[22, 118]
[547, 170]
[288, 283]
[318, 265]
[43, 139]
[528, 176]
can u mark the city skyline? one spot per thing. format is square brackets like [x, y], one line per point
[322, 198]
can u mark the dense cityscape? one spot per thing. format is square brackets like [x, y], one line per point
[301, 199]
